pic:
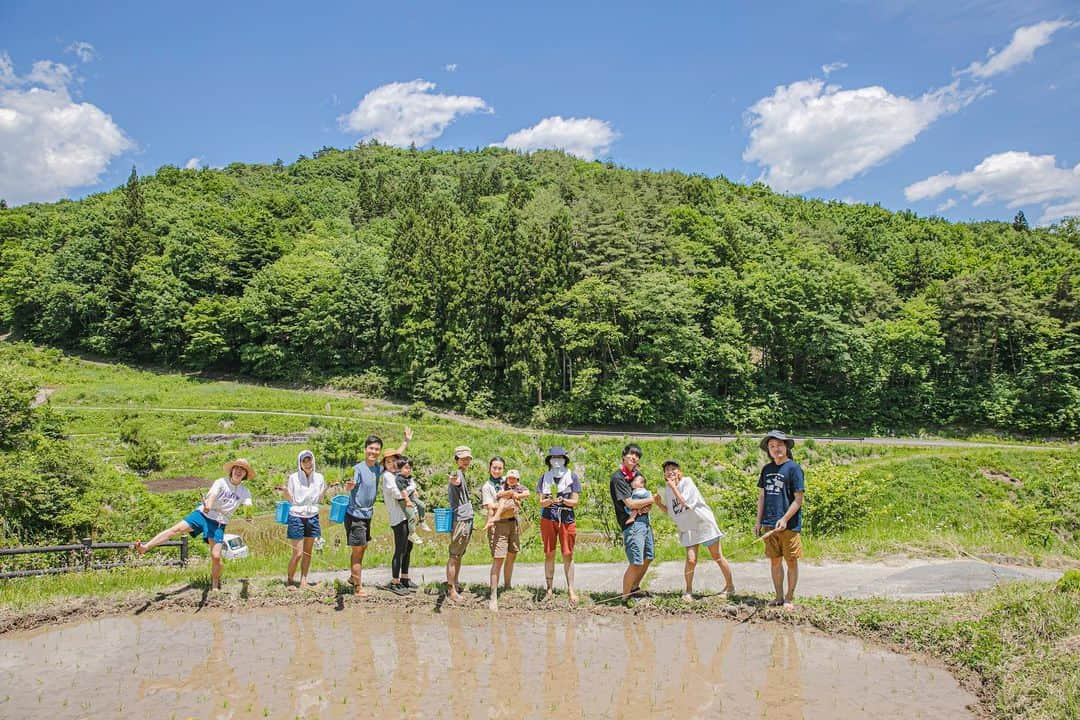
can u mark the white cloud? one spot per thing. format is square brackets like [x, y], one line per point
[404, 113]
[830, 68]
[947, 205]
[451, 67]
[48, 142]
[1014, 178]
[583, 137]
[193, 163]
[83, 50]
[1021, 49]
[812, 135]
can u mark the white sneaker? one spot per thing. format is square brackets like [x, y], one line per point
[425, 527]
[416, 539]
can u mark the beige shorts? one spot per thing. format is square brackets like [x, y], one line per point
[785, 543]
[459, 538]
[504, 537]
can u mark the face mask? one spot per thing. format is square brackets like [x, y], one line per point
[558, 462]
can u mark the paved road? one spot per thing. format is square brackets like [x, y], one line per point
[900, 580]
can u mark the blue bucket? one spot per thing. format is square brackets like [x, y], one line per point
[444, 520]
[337, 508]
[281, 513]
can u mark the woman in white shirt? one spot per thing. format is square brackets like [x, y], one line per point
[304, 490]
[696, 523]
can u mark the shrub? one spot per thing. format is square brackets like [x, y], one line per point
[370, 383]
[144, 457]
[837, 498]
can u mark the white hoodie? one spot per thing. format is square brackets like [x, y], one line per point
[304, 490]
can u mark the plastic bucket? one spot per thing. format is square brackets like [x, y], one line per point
[444, 520]
[338, 504]
[281, 512]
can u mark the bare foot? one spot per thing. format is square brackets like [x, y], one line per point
[493, 606]
[776, 603]
[573, 597]
[687, 597]
[550, 594]
[140, 547]
[789, 605]
[453, 596]
[291, 584]
[307, 584]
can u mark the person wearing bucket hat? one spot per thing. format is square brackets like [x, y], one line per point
[462, 509]
[210, 518]
[781, 486]
[559, 489]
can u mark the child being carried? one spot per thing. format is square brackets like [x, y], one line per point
[411, 504]
[640, 492]
[507, 504]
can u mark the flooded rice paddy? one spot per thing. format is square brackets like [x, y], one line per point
[313, 662]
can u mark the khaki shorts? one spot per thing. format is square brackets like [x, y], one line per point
[504, 537]
[785, 543]
[459, 537]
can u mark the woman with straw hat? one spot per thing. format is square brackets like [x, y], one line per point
[210, 518]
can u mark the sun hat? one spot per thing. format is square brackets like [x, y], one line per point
[556, 451]
[390, 454]
[239, 462]
[462, 451]
[776, 435]
[515, 473]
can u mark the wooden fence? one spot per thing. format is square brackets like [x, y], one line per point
[83, 556]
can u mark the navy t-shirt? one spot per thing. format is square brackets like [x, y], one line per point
[780, 483]
[564, 487]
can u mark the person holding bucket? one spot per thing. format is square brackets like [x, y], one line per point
[683, 503]
[560, 491]
[362, 489]
[212, 515]
[304, 491]
[461, 506]
[502, 499]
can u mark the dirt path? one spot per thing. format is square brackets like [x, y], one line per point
[879, 441]
[902, 579]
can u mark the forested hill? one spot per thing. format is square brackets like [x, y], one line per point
[547, 288]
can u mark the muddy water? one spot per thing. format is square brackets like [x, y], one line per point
[307, 662]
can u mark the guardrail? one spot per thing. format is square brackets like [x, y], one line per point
[85, 552]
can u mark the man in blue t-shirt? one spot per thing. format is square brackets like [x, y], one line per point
[779, 513]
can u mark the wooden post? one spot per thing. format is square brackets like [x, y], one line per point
[88, 553]
[184, 550]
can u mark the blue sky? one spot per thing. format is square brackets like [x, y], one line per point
[895, 102]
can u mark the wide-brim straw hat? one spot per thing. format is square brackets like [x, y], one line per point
[462, 451]
[240, 462]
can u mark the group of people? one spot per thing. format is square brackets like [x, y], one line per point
[781, 486]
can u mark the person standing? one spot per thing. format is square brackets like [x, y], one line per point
[683, 503]
[304, 490]
[501, 498]
[559, 489]
[462, 509]
[363, 489]
[638, 535]
[779, 507]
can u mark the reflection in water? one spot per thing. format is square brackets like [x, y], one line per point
[310, 662]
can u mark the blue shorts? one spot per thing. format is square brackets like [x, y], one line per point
[638, 541]
[211, 530]
[300, 528]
